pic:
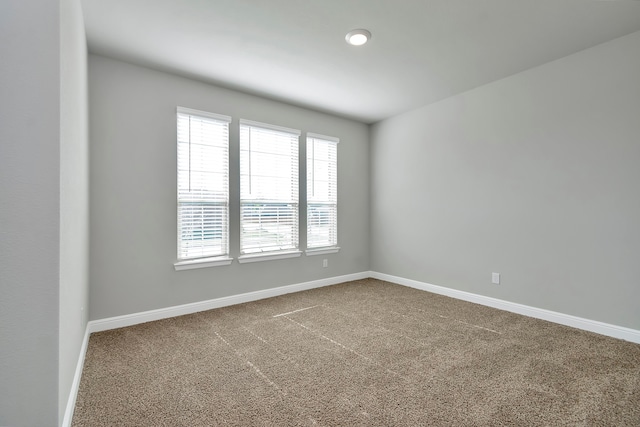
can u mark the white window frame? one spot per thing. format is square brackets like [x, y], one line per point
[261, 199]
[190, 259]
[329, 200]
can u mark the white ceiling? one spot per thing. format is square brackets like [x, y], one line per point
[294, 50]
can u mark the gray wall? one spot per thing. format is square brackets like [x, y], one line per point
[74, 194]
[133, 192]
[535, 176]
[29, 212]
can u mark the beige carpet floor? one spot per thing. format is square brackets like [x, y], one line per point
[363, 353]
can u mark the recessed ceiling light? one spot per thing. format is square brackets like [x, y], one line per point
[358, 37]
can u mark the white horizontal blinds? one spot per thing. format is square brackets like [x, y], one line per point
[268, 188]
[203, 184]
[322, 191]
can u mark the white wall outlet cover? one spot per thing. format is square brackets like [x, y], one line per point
[495, 278]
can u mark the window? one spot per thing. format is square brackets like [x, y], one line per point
[268, 190]
[322, 192]
[203, 185]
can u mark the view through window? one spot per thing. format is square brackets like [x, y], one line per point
[203, 184]
[268, 188]
[322, 191]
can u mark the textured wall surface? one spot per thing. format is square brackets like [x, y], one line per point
[74, 194]
[133, 192]
[29, 212]
[534, 176]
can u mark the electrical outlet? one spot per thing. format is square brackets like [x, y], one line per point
[495, 278]
[325, 263]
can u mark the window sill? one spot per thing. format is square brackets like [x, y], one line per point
[202, 263]
[268, 256]
[322, 251]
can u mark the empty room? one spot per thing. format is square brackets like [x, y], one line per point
[330, 213]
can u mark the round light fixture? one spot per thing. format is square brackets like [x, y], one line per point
[358, 37]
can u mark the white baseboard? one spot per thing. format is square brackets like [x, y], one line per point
[614, 331]
[601, 328]
[73, 393]
[180, 310]
[163, 313]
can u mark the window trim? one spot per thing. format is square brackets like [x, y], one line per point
[193, 112]
[245, 122]
[194, 263]
[324, 137]
[269, 256]
[322, 251]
